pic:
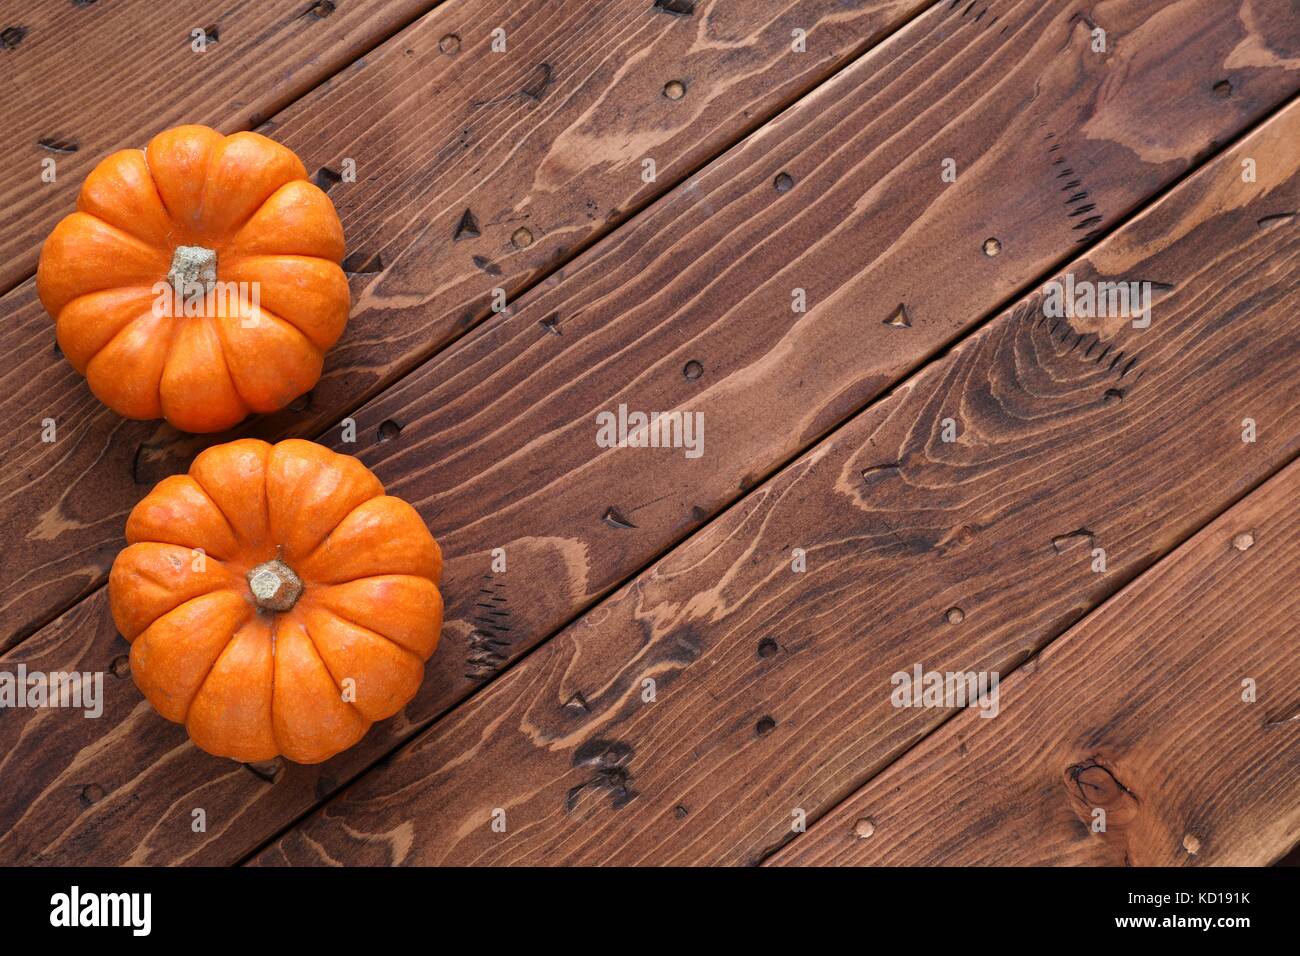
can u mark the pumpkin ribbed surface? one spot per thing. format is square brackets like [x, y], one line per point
[253, 246]
[276, 600]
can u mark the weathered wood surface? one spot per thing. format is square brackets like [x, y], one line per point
[542, 144]
[772, 686]
[83, 79]
[560, 482]
[1137, 711]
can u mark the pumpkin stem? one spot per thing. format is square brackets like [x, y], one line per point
[193, 273]
[274, 585]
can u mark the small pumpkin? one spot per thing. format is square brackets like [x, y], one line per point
[198, 280]
[276, 600]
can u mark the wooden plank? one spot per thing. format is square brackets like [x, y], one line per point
[1137, 710]
[771, 685]
[85, 79]
[433, 133]
[464, 419]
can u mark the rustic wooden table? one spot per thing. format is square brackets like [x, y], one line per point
[824, 229]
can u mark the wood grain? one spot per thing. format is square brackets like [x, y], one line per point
[83, 79]
[462, 424]
[437, 124]
[772, 686]
[1137, 710]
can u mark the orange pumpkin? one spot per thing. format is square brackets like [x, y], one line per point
[198, 279]
[276, 600]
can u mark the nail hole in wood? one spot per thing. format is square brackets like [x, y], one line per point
[91, 794]
[680, 8]
[388, 430]
[1065, 542]
[693, 370]
[765, 726]
[615, 520]
[327, 178]
[784, 182]
[1276, 219]
[538, 83]
[487, 265]
[768, 647]
[900, 318]
[467, 228]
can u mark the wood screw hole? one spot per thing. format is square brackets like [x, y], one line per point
[1244, 541]
[955, 615]
[121, 666]
[864, 828]
[674, 89]
[765, 726]
[522, 238]
[1223, 89]
[768, 647]
[693, 370]
[450, 44]
[992, 247]
[783, 183]
[388, 430]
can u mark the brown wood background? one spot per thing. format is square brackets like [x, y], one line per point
[776, 170]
